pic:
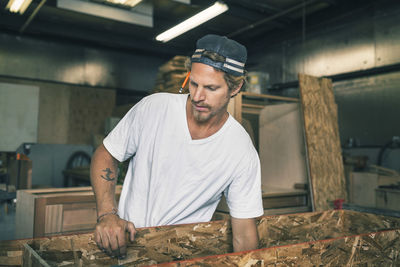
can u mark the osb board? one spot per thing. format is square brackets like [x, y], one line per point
[322, 139]
[374, 249]
[89, 108]
[312, 226]
[152, 245]
[182, 242]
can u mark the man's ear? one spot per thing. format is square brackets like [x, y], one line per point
[237, 90]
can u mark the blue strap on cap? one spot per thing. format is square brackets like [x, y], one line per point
[235, 54]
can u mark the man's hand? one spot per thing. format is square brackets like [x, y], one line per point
[110, 235]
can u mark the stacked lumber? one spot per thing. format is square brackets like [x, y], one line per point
[330, 238]
[171, 75]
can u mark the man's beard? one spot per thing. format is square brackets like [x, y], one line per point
[201, 116]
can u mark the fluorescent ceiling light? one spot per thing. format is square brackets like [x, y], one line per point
[18, 5]
[192, 22]
[129, 3]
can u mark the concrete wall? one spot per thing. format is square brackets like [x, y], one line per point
[62, 72]
[25, 57]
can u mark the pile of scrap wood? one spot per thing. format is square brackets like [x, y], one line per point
[329, 238]
[171, 75]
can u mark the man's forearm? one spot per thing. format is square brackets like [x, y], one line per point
[103, 176]
[245, 243]
[245, 235]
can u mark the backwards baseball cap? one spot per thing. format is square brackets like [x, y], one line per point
[235, 54]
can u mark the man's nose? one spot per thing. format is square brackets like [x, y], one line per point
[198, 94]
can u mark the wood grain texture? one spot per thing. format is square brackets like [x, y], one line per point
[24, 215]
[375, 249]
[53, 219]
[43, 212]
[328, 238]
[323, 143]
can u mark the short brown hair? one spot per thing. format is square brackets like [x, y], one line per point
[232, 81]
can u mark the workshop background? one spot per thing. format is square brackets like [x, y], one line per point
[70, 69]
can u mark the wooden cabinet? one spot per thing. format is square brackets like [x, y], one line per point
[246, 108]
[42, 212]
[251, 103]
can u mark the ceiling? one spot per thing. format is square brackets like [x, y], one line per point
[247, 21]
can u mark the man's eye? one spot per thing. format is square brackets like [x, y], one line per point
[211, 88]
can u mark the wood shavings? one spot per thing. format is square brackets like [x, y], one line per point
[330, 238]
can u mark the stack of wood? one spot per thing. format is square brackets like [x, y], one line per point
[171, 75]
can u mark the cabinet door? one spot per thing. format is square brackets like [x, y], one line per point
[70, 218]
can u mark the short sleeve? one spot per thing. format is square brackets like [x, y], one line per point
[244, 196]
[123, 140]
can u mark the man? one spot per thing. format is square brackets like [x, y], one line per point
[186, 151]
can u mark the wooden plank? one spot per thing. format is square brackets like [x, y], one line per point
[235, 107]
[275, 97]
[39, 217]
[24, 214]
[53, 219]
[252, 106]
[59, 190]
[31, 258]
[238, 107]
[323, 143]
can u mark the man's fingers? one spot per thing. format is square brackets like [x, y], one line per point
[121, 244]
[105, 243]
[114, 249]
[110, 236]
[97, 238]
[132, 230]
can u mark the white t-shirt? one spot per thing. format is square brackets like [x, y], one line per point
[172, 179]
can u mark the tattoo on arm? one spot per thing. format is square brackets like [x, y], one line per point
[107, 175]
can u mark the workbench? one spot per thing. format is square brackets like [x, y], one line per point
[329, 238]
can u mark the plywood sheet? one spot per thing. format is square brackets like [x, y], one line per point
[375, 249]
[283, 239]
[322, 139]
